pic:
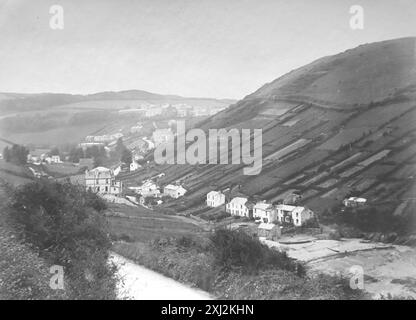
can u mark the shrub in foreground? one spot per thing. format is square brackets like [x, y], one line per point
[237, 249]
[66, 225]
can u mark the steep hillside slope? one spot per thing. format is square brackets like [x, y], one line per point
[371, 73]
[368, 73]
[342, 124]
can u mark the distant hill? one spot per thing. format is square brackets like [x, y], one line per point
[17, 102]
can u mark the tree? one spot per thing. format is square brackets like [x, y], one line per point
[66, 225]
[119, 146]
[17, 154]
[236, 249]
[126, 156]
[98, 161]
[54, 152]
[75, 154]
[6, 154]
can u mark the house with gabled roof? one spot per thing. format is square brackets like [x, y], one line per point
[240, 206]
[265, 212]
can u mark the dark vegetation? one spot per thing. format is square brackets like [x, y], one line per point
[122, 152]
[58, 224]
[373, 219]
[378, 219]
[17, 154]
[237, 249]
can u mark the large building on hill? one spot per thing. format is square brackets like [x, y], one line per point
[102, 180]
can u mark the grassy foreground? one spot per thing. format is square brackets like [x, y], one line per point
[231, 265]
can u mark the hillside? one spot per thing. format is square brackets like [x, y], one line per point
[13, 103]
[341, 124]
[58, 119]
[368, 73]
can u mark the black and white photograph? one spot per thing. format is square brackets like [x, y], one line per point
[232, 152]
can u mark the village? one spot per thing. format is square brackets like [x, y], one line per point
[120, 182]
[258, 217]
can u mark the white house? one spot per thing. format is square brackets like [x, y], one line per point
[215, 199]
[134, 166]
[295, 215]
[264, 211]
[38, 155]
[102, 180]
[354, 202]
[148, 189]
[239, 206]
[174, 191]
[56, 159]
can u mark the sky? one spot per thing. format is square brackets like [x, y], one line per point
[193, 48]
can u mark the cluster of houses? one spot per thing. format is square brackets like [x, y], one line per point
[267, 214]
[178, 110]
[38, 156]
[104, 138]
[150, 189]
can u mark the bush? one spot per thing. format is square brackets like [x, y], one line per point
[67, 226]
[23, 274]
[236, 249]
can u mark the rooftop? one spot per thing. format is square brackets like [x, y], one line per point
[239, 200]
[267, 226]
[262, 205]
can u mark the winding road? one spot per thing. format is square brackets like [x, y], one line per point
[139, 283]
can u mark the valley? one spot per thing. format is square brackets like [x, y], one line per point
[340, 127]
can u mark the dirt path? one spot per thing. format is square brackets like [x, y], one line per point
[144, 284]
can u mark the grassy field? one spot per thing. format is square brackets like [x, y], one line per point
[59, 170]
[55, 137]
[141, 224]
[13, 174]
